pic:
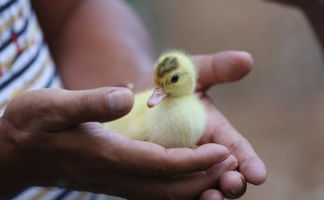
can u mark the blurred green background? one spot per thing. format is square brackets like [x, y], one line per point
[279, 107]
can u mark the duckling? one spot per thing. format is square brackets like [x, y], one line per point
[173, 115]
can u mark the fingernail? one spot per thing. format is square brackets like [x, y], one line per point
[245, 53]
[238, 189]
[119, 100]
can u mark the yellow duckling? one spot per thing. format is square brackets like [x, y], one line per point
[172, 116]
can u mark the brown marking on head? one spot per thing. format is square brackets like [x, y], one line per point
[167, 65]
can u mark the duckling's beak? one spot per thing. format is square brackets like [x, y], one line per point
[157, 96]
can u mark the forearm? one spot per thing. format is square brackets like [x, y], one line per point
[101, 43]
[313, 10]
[315, 14]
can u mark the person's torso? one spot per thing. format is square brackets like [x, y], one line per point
[25, 61]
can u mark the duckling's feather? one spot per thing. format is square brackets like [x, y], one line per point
[178, 120]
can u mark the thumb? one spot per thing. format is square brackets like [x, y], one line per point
[58, 109]
[222, 67]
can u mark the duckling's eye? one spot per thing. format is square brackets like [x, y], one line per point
[175, 78]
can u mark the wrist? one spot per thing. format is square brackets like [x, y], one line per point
[302, 4]
[311, 5]
[314, 12]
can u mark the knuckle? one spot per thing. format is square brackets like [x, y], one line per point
[21, 139]
[237, 144]
[163, 170]
[7, 142]
[18, 137]
[164, 166]
[32, 108]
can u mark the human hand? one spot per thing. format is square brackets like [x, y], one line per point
[52, 137]
[220, 68]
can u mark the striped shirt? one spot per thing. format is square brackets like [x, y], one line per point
[26, 64]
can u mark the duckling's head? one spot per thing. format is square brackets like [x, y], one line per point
[174, 76]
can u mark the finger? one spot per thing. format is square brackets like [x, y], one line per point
[222, 132]
[57, 109]
[123, 155]
[180, 187]
[232, 184]
[222, 67]
[212, 194]
[154, 160]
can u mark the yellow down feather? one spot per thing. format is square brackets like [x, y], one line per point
[177, 117]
